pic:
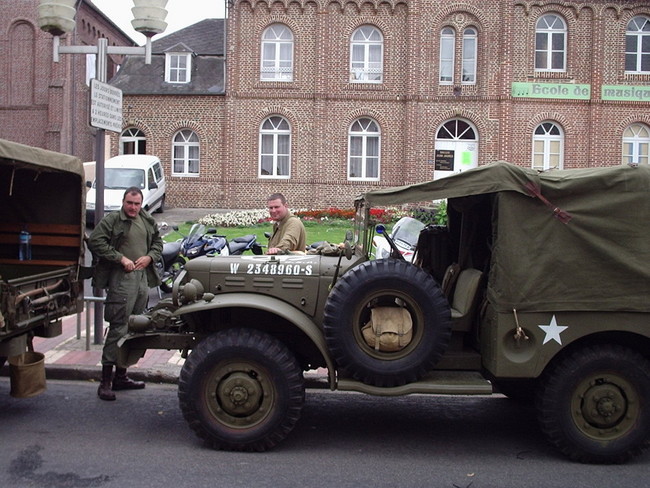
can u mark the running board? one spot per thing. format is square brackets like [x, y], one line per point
[435, 383]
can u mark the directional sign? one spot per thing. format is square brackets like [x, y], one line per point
[105, 106]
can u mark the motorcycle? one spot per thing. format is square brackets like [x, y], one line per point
[405, 235]
[239, 245]
[199, 241]
[170, 264]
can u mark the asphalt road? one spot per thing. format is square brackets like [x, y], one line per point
[67, 438]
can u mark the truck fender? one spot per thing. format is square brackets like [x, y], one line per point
[273, 306]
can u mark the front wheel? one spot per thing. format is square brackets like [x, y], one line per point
[594, 404]
[242, 390]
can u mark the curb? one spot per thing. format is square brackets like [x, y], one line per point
[76, 373]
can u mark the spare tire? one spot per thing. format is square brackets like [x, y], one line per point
[386, 282]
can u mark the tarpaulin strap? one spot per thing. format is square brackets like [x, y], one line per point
[558, 213]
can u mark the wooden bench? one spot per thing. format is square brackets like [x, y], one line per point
[43, 235]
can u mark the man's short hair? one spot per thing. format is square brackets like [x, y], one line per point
[131, 191]
[277, 196]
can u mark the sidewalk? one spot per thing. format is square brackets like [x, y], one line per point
[66, 356]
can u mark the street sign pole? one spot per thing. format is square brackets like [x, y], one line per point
[101, 74]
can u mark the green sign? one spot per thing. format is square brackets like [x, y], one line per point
[564, 91]
[626, 92]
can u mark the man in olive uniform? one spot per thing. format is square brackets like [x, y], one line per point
[127, 245]
[288, 231]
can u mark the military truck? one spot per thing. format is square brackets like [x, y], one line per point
[42, 197]
[536, 288]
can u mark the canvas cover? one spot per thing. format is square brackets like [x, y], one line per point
[40, 186]
[598, 261]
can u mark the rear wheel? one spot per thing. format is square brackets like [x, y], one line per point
[594, 404]
[241, 389]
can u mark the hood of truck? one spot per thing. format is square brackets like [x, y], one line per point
[296, 279]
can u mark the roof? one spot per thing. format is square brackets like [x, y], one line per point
[204, 39]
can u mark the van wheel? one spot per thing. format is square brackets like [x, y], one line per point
[386, 283]
[161, 209]
[241, 390]
[593, 405]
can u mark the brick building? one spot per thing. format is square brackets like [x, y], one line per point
[42, 103]
[324, 100]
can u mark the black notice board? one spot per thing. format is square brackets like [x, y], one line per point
[444, 160]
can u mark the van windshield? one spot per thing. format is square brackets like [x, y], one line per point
[122, 178]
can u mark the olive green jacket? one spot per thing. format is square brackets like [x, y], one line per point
[105, 241]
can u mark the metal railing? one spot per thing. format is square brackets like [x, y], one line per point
[87, 301]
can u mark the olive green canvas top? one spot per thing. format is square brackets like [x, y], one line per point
[597, 259]
[40, 186]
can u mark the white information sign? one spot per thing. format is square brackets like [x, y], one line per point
[105, 106]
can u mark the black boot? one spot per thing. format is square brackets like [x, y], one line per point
[104, 391]
[123, 382]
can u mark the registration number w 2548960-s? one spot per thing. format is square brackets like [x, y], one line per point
[274, 269]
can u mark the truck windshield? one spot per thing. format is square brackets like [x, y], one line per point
[123, 178]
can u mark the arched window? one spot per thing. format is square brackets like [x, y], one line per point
[637, 45]
[470, 42]
[277, 54]
[457, 129]
[20, 64]
[550, 43]
[133, 141]
[185, 153]
[548, 146]
[367, 55]
[447, 49]
[275, 148]
[364, 145]
[636, 141]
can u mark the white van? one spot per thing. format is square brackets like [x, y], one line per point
[121, 172]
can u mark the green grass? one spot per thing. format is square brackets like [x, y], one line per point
[332, 231]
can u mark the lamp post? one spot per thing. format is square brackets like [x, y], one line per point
[57, 18]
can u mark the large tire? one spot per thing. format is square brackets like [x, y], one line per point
[594, 405]
[241, 390]
[168, 276]
[385, 282]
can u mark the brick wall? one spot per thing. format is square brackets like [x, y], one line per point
[42, 103]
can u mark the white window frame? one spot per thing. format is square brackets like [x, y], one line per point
[275, 134]
[276, 56]
[548, 146]
[636, 144]
[361, 135]
[551, 28]
[637, 45]
[470, 53]
[134, 136]
[174, 72]
[366, 45]
[184, 143]
[447, 56]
